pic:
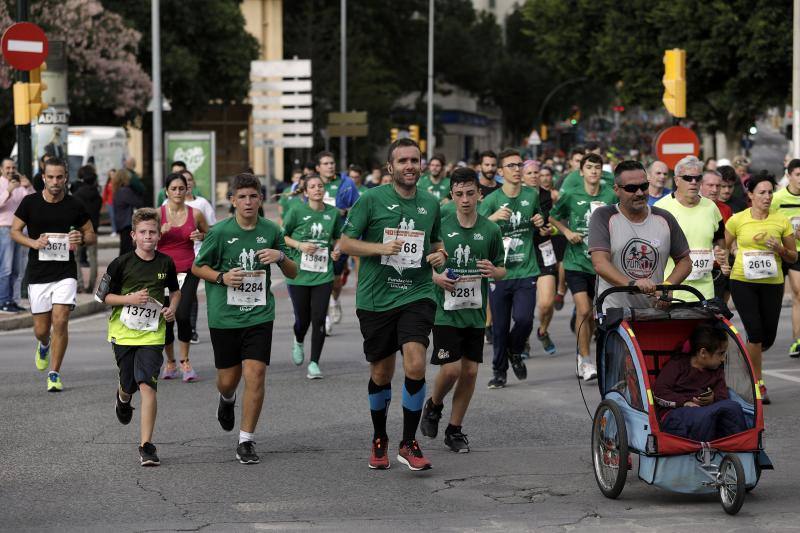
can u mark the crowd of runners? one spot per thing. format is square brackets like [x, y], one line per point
[453, 255]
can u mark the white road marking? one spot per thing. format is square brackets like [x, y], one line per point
[782, 375]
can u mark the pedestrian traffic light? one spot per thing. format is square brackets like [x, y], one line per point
[413, 132]
[22, 111]
[675, 82]
[395, 132]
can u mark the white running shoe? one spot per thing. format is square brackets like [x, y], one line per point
[335, 311]
[328, 325]
[578, 369]
[588, 370]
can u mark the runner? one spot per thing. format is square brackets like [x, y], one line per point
[395, 230]
[516, 211]
[475, 253]
[546, 175]
[356, 173]
[56, 223]
[657, 175]
[312, 231]
[787, 202]
[181, 227]
[701, 222]
[435, 181]
[234, 261]
[574, 180]
[764, 241]
[488, 173]
[134, 286]
[571, 216]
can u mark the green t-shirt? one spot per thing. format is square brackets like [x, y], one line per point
[440, 190]
[331, 190]
[574, 208]
[228, 246]
[362, 189]
[788, 205]
[520, 259]
[287, 200]
[130, 273]
[322, 228]
[449, 209]
[381, 215]
[465, 246]
[574, 180]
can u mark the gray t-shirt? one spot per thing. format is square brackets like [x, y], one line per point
[638, 249]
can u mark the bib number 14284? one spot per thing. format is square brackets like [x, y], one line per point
[252, 292]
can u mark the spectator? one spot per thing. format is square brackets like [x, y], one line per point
[126, 201]
[108, 200]
[86, 192]
[13, 188]
[136, 182]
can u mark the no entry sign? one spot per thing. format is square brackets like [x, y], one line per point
[24, 46]
[675, 143]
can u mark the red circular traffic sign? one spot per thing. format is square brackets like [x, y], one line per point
[675, 143]
[24, 46]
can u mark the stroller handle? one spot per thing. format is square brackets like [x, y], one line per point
[634, 289]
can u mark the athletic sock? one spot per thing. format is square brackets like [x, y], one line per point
[45, 346]
[232, 399]
[245, 436]
[452, 429]
[380, 396]
[413, 399]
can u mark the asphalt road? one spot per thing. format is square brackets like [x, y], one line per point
[68, 465]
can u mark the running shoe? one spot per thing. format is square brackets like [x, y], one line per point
[15, 307]
[124, 410]
[578, 369]
[498, 381]
[429, 423]
[297, 352]
[378, 460]
[587, 369]
[54, 382]
[226, 415]
[526, 352]
[189, 375]
[195, 338]
[170, 371]
[411, 455]
[518, 366]
[246, 453]
[794, 349]
[335, 310]
[764, 396]
[547, 343]
[42, 357]
[147, 455]
[457, 442]
[558, 301]
[6, 309]
[313, 371]
[489, 335]
[328, 325]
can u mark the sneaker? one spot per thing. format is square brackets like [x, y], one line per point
[54, 382]
[195, 338]
[526, 352]
[328, 325]
[226, 415]
[246, 453]
[313, 371]
[147, 455]
[297, 352]
[457, 442]
[794, 349]
[547, 344]
[124, 410]
[335, 311]
[488, 334]
[587, 369]
[6, 309]
[15, 307]
[170, 370]
[497, 382]
[378, 460]
[518, 366]
[113, 234]
[411, 455]
[558, 301]
[578, 370]
[764, 396]
[42, 357]
[429, 423]
[189, 375]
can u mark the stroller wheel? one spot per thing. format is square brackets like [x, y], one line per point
[731, 484]
[609, 449]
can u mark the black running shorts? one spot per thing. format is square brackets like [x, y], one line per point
[385, 332]
[579, 281]
[232, 346]
[138, 364]
[451, 344]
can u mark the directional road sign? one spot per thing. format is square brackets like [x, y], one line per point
[24, 46]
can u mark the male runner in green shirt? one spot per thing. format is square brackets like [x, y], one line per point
[434, 181]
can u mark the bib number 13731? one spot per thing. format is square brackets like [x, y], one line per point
[252, 292]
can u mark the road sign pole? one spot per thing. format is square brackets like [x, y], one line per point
[158, 147]
[24, 161]
[343, 85]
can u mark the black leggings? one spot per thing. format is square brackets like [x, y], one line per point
[184, 311]
[759, 307]
[310, 308]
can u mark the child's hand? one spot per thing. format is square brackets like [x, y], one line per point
[139, 297]
[690, 404]
[169, 314]
[706, 399]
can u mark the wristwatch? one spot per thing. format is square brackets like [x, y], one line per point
[220, 280]
[631, 283]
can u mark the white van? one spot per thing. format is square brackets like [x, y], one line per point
[104, 146]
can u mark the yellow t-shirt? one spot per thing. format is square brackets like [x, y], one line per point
[753, 258]
[787, 204]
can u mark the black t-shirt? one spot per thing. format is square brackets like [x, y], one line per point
[130, 273]
[40, 217]
[487, 190]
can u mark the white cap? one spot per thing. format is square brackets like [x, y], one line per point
[723, 162]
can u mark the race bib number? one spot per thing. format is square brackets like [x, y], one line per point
[594, 205]
[316, 262]
[702, 263]
[759, 265]
[548, 253]
[410, 255]
[252, 292]
[795, 223]
[57, 248]
[329, 200]
[144, 317]
[466, 294]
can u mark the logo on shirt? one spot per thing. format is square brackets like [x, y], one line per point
[260, 240]
[477, 237]
[451, 235]
[392, 207]
[406, 225]
[326, 217]
[247, 259]
[422, 211]
[524, 203]
[639, 259]
[161, 275]
[515, 219]
[581, 202]
[306, 217]
[233, 240]
[462, 255]
[316, 230]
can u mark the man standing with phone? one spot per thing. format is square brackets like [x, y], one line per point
[12, 191]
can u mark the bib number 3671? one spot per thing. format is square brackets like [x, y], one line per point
[57, 248]
[252, 292]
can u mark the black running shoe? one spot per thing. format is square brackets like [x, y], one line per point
[518, 366]
[489, 335]
[457, 442]
[124, 411]
[429, 423]
[226, 414]
[498, 381]
[246, 453]
[147, 455]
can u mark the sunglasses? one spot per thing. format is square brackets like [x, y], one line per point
[633, 187]
[695, 179]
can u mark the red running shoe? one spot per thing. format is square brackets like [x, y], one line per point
[378, 460]
[411, 456]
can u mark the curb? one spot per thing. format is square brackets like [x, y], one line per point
[26, 321]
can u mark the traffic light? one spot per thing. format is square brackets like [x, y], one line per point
[35, 88]
[423, 146]
[575, 115]
[413, 132]
[22, 111]
[675, 82]
[394, 133]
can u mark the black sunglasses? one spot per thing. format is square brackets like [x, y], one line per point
[696, 178]
[633, 187]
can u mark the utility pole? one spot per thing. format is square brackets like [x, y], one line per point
[343, 85]
[158, 136]
[431, 138]
[796, 80]
[24, 156]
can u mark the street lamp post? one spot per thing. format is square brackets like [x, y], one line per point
[343, 84]
[431, 137]
[158, 150]
[796, 80]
